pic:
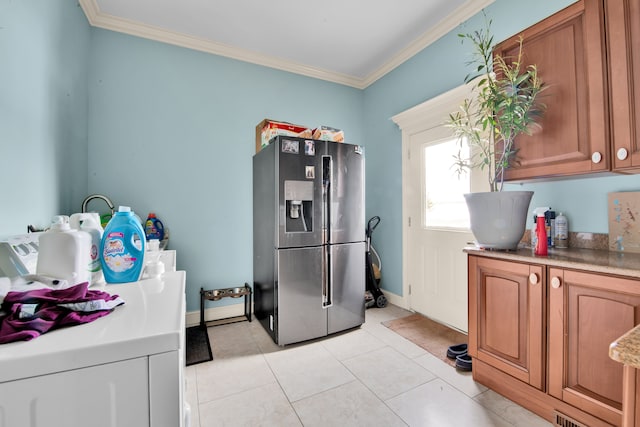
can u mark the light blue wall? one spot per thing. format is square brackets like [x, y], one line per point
[437, 69]
[43, 111]
[172, 131]
[583, 201]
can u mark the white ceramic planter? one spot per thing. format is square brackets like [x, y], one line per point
[498, 219]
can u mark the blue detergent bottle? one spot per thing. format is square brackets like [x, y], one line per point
[122, 248]
[153, 227]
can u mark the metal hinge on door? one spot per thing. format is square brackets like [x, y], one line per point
[409, 289]
[409, 223]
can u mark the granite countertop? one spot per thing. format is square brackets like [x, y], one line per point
[626, 349]
[598, 261]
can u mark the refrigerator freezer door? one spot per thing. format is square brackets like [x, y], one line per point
[347, 278]
[300, 314]
[347, 193]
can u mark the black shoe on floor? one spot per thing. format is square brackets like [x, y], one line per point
[463, 362]
[456, 350]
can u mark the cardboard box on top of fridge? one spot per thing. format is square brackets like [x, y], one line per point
[267, 129]
[326, 133]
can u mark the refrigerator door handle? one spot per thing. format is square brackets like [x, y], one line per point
[327, 285]
[327, 276]
[324, 276]
[327, 165]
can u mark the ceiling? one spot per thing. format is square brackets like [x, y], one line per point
[351, 42]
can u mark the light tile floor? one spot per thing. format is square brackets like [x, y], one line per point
[369, 376]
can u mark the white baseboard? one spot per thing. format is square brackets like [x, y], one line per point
[214, 313]
[395, 299]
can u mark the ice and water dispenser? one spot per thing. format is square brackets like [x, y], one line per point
[299, 206]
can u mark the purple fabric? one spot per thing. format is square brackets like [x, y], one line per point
[48, 315]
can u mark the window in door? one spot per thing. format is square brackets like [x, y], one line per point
[443, 201]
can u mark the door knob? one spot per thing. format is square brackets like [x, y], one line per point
[533, 278]
[555, 282]
[596, 157]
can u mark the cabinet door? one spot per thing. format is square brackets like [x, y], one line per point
[114, 394]
[623, 36]
[587, 312]
[166, 389]
[506, 318]
[568, 49]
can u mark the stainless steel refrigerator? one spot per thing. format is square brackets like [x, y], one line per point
[308, 238]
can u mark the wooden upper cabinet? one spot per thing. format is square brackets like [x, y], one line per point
[623, 45]
[569, 51]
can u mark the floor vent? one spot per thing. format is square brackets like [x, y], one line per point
[563, 421]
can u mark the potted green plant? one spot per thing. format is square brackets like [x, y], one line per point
[504, 104]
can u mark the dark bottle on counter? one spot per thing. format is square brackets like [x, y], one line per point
[153, 227]
[550, 222]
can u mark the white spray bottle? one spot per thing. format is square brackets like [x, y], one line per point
[90, 222]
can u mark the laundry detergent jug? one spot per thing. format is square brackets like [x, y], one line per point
[122, 247]
[153, 227]
[64, 252]
[90, 222]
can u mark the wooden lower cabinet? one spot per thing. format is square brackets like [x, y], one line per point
[587, 312]
[506, 318]
[545, 345]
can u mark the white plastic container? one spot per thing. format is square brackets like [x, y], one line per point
[90, 222]
[153, 267]
[64, 252]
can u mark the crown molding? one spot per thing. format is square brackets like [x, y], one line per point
[99, 19]
[460, 15]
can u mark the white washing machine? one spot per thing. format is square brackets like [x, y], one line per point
[19, 255]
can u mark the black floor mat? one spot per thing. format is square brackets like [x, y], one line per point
[198, 346]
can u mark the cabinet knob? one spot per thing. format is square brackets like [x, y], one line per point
[555, 282]
[533, 278]
[622, 154]
[596, 157]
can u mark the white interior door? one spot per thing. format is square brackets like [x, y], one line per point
[434, 232]
[436, 265]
